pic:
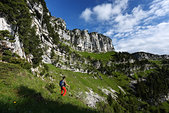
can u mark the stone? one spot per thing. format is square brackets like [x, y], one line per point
[122, 89]
[92, 98]
[4, 25]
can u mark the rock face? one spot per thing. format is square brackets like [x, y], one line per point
[92, 98]
[45, 25]
[148, 56]
[16, 46]
[82, 40]
[4, 25]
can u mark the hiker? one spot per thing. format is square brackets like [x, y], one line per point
[63, 85]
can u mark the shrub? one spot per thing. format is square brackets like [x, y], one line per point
[4, 33]
[7, 53]
[50, 87]
[47, 75]
[46, 67]
[42, 73]
[18, 14]
[155, 86]
[109, 99]
[6, 58]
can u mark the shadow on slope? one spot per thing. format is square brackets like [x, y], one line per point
[33, 102]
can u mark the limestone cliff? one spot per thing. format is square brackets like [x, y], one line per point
[47, 39]
[82, 40]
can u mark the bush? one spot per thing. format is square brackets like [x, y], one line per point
[47, 75]
[109, 99]
[42, 73]
[52, 53]
[50, 87]
[6, 58]
[7, 53]
[56, 38]
[25, 64]
[4, 33]
[46, 67]
[10, 57]
[155, 86]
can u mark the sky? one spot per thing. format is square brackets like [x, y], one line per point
[133, 25]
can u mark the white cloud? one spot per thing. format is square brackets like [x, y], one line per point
[153, 39]
[86, 14]
[137, 30]
[160, 7]
[119, 6]
[103, 12]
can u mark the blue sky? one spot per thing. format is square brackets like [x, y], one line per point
[133, 25]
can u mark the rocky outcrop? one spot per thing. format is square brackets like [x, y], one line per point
[93, 98]
[148, 56]
[110, 91]
[77, 39]
[82, 40]
[16, 46]
[4, 25]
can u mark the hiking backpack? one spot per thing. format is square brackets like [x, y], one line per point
[62, 83]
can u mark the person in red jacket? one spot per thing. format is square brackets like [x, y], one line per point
[63, 85]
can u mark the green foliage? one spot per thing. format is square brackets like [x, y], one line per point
[46, 21]
[165, 61]
[1, 38]
[156, 85]
[55, 37]
[122, 56]
[64, 48]
[18, 14]
[50, 87]
[42, 73]
[7, 53]
[10, 57]
[7, 68]
[104, 108]
[135, 76]
[46, 67]
[44, 95]
[5, 34]
[32, 45]
[129, 102]
[97, 56]
[30, 93]
[109, 99]
[52, 53]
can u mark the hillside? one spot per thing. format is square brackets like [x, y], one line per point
[36, 50]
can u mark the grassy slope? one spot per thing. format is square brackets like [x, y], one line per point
[81, 80]
[31, 94]
[98, 56]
